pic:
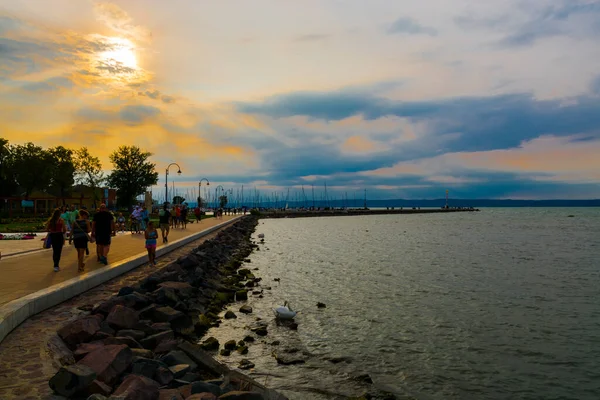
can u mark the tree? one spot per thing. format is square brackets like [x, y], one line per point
[32, 167]
[132, 173]
[8, 184]
[178, 200]
[63, 170]
[88, 171]
[223, 201]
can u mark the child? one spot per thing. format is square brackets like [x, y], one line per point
[151, 234]
[121, 222]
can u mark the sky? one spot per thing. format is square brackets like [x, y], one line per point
[485, 99]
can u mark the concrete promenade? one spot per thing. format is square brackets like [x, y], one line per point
[29, 273]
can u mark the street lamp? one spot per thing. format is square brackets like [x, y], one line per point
[199, 185]
[167, 178]
[216, 195]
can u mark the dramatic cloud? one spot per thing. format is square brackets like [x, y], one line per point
[499, 101]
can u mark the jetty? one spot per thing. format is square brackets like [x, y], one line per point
[303, 213]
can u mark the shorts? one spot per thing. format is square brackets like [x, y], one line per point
[103, 240]
[81, 243]
[151, 246]
[165, 227]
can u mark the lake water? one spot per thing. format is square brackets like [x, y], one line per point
[499, 304]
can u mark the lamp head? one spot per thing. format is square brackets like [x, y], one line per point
[179, 172]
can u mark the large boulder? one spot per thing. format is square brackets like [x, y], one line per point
[79, 331]
[210, 344]
[72, 379]
[123, 340]
[166, 314]
[179, 370]
[132, 333]
[152, 341]
[108, 362]
[236, 395]
[202, 396]
[176, 357]
[163, 376]
[146, 367]
[122, 317]
[182, 289]
[86, 348]
[136, 387]
[183, 325]
[166, 346]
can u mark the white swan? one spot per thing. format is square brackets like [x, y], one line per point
[284, 312]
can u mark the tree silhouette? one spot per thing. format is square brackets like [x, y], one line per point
[132, 173]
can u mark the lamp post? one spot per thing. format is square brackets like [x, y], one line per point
[167, 178]
[199, 186]
[217, 196]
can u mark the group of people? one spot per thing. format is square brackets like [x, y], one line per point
[76, 225]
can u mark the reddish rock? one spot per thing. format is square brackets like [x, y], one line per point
[152, 341]
[202, 396]
[199, 387]
[86, 348]
[179, 370]
[122, 318]
[80, 330]
[142, 353]
[132, 333]
[163, 376]
[72, 379]
[135, 387]
[106, 306]
[161, 326]
[166, 314]
[98, 387]
[108, 362]
[123, 340]
[170, 394]
[166, 346]
[182, 289]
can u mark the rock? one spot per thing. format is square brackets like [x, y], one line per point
[242, 349]
[163, 376]
[176, 357]
[241, 295]
[151, 342]
[166, 314]
[59, 351]
[132, 333]
[123, 340]
[170, 394]
[246, 364]
[108, 362]
[250, 284]
[143, 353]
[86, 348]
[146, 367]
[183, 289]
[125, 291]
[161, 327]
[166, 346]
[241, 343]
[122, 317]
[337, 360]
[79, 331]
[199, 387]
[321, 305]
[275, 343]
[191, 377]
[287, 359]
[230, 345]
[96, 396]
[105, 328]
[99, 388]
[106, 306]
[147, 312]
[72, 379]
[179, 370]
[225, 352]
[230, 315]
[136, 300]
[244, 272]
[249, 339]
[202, 396]
[260, 331]
[210, 344]
[293, 326]
[246, 309]
[183, 325]
[135, 387]
[236, 395]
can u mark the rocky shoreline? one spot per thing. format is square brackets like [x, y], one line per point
[140, 343]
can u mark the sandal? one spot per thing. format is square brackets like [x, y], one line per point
[81, 269]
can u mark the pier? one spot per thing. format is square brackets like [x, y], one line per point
[293, 213]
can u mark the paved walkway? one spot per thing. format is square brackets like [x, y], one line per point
[8, 247]
[28, 273]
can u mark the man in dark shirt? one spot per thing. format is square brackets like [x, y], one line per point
[164, 217]
[103, 228]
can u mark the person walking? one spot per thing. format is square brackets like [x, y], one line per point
[198, 214]
[56, 229]
[103, 228]
[151, 235]
[164, 216]
[184, 215]
[80, 236]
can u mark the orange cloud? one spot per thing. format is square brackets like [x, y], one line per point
[359, 144]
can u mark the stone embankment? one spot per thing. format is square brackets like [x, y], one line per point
[139, 344]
